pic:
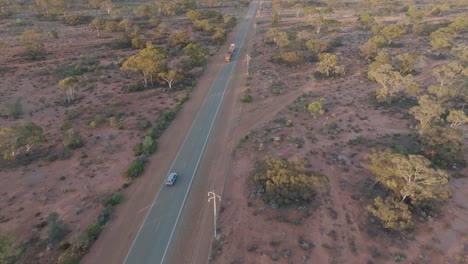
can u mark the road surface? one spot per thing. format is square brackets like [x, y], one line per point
[154, 238]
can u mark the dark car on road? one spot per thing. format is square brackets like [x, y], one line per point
[171, 178]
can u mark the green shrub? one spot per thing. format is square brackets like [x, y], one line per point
[76, 20]
[138, 43]
[93, 231]
[69, 257]
[113, 200]
[63, 245]
[53, 34]
[122, 41]
[15, 109]
[168, 116]
[72, 139]
[163, 124]
[149, 145]
[135, 169]
[144, 124]
[98, 119]
[67, 124]
[246, 98]
[72, 113]
[138, 149]
[10, 250]
[56, 229]
[283, 182]
[64, 153]
[114, 122]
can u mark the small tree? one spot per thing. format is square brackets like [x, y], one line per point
[407, 62]
[193, 15]
[427, 111]
[144, 11]
[372, 46]
[98, 24]
[19, 137]
[445, 142]
[69, 86]
[411, 178]
[392, 83]
[196, 53]
[365, 20]
[219, 36]
[149, 62]
[282, 39]
[457, 118]
[291, 57]
[442, 38]
[318, 23]
[317, 46]
[276, 18]
[392, 32]
[178, 38]
[32, 41]
[329, 64]
[169, 77]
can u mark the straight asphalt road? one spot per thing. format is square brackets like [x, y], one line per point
[153, 240]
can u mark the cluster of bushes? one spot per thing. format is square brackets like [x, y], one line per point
[283, 183]
[75, 251]
[149, 144]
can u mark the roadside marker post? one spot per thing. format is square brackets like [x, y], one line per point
[213, 197]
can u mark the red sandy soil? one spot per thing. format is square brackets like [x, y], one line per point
[338, 224]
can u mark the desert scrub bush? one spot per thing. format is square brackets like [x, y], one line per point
[72, 139]
[10, 250]
[72, 113]
[64, 245]
[115, 122]
[113, 199]
[246, 98]
[94, 231]
[64, 153]
[122, 41]
[56, 229]
[69, 257]
[135, 169]
[67, 124]
[144, 124]
[15, 109]
[316, 107]
[76, 20]
[283, 182]
[32, 41]
[138, 43]
[98, 119]
[53, 34]
[393, 214]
